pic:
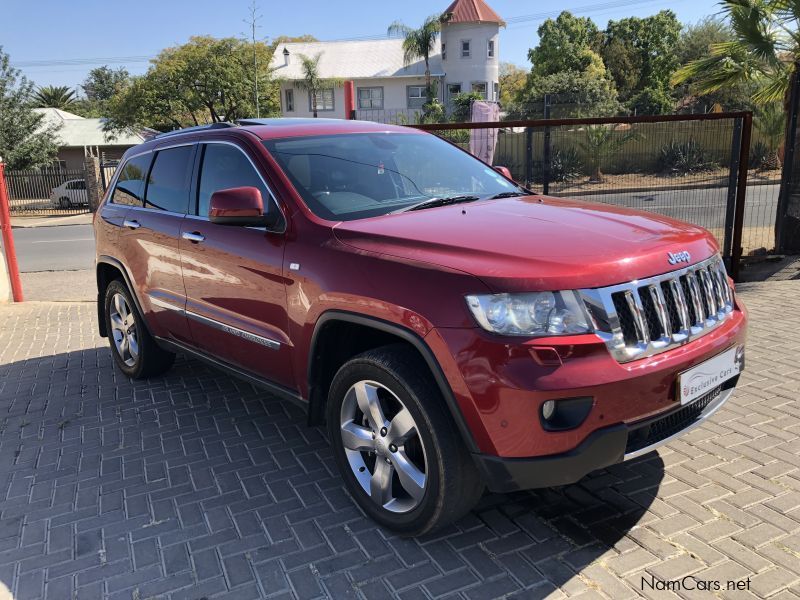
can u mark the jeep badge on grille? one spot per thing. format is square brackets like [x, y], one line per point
[678, 257]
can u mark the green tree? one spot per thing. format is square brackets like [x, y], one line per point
[640, 53]
[206, 80]
[697, 39]
[765, 47]
[576, 95]
[651, 101]
[567, 43]
[26, 141]
[312, 80]
[512, 82]
[600, 142]
[419, 43]
[103, 82]
[54, 97]
[770, 122]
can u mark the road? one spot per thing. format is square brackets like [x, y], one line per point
[71, 247]
[63, 248]
[704, 207]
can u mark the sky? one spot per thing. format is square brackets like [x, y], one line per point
[55, 42]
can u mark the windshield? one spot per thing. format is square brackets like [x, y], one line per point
[353, 176]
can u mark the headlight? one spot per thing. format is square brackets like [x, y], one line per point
[530, 314]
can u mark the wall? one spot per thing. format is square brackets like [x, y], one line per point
[478, 67]
[394, 96]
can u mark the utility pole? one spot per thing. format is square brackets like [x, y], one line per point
[253, 23]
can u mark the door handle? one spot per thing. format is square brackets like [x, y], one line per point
[131, 224]
[193, 237]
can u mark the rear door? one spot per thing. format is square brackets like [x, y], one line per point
[150, 241]
[235, 288]
[128, 192]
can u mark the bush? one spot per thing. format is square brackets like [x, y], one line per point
[565, 165]
[759, 155]
[684, 158]
[651, 101]
[462, 106]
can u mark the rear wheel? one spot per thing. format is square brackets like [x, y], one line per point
[135, 351]
[64, 202]
[395, 444]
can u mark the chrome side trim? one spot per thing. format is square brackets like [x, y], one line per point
[706, 414]
[155, 301]
[245, 335]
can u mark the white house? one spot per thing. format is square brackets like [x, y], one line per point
[466, 57]
[77, 134]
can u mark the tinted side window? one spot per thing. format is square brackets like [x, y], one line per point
[130, 185]
[168, 184]
[227, 167]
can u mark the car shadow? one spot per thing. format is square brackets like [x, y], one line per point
[198, 460]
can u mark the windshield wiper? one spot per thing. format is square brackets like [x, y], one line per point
[434, 202]
[507, 195]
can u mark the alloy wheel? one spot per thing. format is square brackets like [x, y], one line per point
[123, 330]
[383, 447]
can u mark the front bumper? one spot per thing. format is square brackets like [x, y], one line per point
[602, 448]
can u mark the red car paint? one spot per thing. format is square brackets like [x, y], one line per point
[413, 270]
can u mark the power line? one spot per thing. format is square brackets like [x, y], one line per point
[585, 10]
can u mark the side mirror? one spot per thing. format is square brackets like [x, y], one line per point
[505, 172]
[242, 206]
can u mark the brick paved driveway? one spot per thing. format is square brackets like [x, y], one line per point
[197, 486]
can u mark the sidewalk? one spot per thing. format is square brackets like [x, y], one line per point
[51, 221]
[195, 485]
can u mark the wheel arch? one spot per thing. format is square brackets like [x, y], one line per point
[327, 353]
[107, 270]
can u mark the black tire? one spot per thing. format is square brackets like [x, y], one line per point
[150, 359]
[64, 203]
[452, 482]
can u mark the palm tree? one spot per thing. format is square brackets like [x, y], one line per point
[600, 142]
[770, 121]
[419, 43]
[764, 50]
[54, 97]
[313, 81]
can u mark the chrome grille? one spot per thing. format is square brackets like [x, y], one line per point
[648, 316]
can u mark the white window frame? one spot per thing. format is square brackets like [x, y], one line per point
[450, 94]
[469, 48]
[409, 97]
[444, 51]
[371, 90]
[321, 100]
[485, 88]
[288, 99]
[490, 48]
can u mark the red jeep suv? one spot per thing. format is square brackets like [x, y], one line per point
[454, 330]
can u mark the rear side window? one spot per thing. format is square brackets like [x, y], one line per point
[130, 184]
[168, 184]
[227, 167]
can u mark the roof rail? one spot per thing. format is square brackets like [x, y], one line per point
[220, 125]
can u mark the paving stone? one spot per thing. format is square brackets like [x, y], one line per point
[196, 485]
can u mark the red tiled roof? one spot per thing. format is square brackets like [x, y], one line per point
[472, 11]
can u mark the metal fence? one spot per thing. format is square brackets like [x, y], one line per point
[689, 167]
[107, 170]
[44, 192]
[787, 220]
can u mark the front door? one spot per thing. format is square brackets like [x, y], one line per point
[236, 296]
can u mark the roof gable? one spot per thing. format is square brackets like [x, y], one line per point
[472, 11]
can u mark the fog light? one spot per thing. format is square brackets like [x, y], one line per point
[565, 413]
[548, 409]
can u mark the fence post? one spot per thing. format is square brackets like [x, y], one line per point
[94, 183]
[8, 239]
[528, 156]
[786, 223]
[730, 207]
[741, 194]
[546, 152]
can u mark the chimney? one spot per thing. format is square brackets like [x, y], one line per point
[285, 57]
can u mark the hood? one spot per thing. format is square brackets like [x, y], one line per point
[533, 243]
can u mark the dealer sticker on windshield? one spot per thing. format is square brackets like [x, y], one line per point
[705, 377]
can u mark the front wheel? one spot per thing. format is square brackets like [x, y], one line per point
[396, 446]
[64, 203]
[134, 349]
